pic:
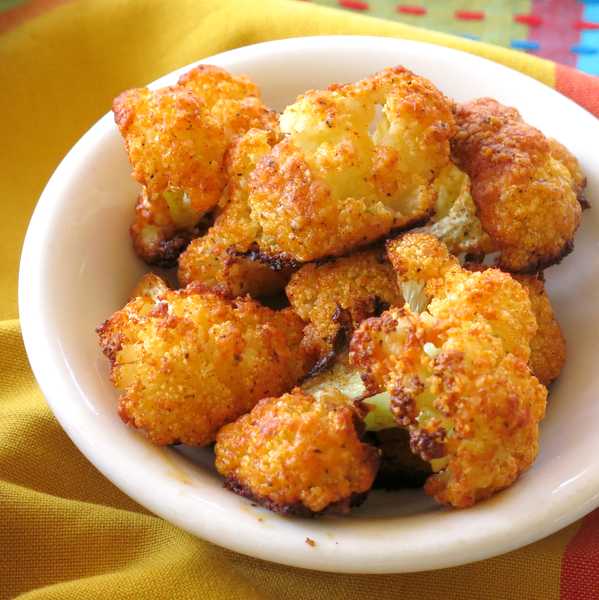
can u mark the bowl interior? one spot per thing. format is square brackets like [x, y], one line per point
[78, 267]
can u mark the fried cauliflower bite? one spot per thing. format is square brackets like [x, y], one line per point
[457, 372]
[527, 188]
[297, 454]
[176, 138]
[189, 361]
[548, 346]
[223, 259]
[176, 149]
[332, 184]
[233, 100]
[335, 296]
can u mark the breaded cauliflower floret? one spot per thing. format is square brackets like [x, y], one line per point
[176, 138]
[332, 184]
[336, 296]
[422, 262]
[223, 259]
[189, 361]
[527, 189]
[457, 374]
[176, 149]
[298, 455]
[548, 346]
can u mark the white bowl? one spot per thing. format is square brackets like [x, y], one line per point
[77, 267]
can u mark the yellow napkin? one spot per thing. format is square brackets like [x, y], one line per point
[65, 531]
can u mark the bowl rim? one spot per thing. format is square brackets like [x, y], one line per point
[51, 372]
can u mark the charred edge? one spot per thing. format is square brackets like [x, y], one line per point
[403, 406]
[380, 306]
[296, 509]
[276, 262]
[321, 365]
[583, 200]
[428, 445]
[166, 252]
[543, 262]
[339, 344]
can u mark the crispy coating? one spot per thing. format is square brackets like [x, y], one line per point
[176, 138]
[345, 175]
[341, 293]
[297, 454]
[189, 361]
[457, 375]
[526, 187]
[176, 149]
[456, 292]
[548, 346]
[219, 259]
[233, 100]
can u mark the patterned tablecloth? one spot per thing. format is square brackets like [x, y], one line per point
[566, 31]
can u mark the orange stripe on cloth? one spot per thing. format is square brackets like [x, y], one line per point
[580, 565]
[579, 86]
[28, 10]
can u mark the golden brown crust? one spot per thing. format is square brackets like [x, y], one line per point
[548, 346]
[296, 451]
[222, 258]
[233, 100]
[331, 185]
[189, 361]
[526, 187]
[173, 143]
[458, 376]
[176, 138]
[342, 293]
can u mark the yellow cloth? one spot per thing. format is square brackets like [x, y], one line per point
[65, 531]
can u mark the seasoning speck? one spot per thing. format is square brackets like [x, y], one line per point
[310, 542]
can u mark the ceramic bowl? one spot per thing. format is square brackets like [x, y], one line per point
[78, 267]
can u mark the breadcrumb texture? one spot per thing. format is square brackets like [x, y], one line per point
[528, 189]
[221, 259]
[548, 346]
[341, 293]
[297, 452]
[357, 160]
[458, 375]
[176, 138]
[189, 361]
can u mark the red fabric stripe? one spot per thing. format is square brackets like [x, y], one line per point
[582, 88]
[353, 4]
[557, 35]
[579, 578]
[22, 12]
[469, 15]
[531, 20]
[586, 25]
[411, 10]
